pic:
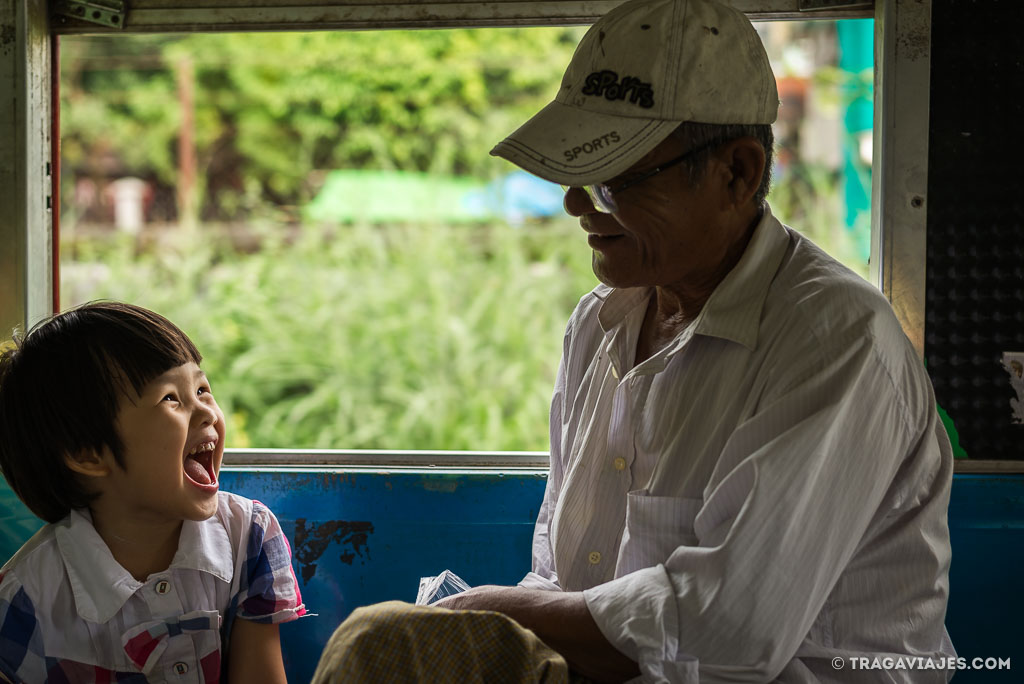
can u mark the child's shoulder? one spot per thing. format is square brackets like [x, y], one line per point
[243, 517]
[233, 507]
[36, 561]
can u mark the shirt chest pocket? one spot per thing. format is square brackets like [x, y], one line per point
[655, 527]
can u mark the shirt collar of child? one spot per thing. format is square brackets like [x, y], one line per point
[101, 586]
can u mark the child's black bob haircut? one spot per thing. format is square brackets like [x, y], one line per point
[59, 392]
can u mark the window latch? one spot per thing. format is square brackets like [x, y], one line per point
[819, 5]
[106, 12]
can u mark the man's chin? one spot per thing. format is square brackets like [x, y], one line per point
[609, 276]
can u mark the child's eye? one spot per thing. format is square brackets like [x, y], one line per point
[169, 397]
[203, 390]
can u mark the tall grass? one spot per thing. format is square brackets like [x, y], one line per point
[397, 337]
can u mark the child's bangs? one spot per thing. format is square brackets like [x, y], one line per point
[146, 346]
[139, 360]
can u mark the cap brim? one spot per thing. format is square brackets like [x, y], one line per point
[570, 146]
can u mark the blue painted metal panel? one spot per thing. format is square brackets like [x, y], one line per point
[986, 602]
[363, 537]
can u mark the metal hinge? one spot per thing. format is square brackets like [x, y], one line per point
[818, 5]
[105, 12]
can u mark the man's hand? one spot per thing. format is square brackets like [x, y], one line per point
[485, 597]
[560, 619]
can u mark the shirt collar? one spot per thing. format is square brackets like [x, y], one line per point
[99, 583]
[618, 303]
[733, 311]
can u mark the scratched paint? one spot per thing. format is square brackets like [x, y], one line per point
[7, 36]
[445, 485]
[312, 540]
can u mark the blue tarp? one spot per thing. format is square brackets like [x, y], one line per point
[349, 196]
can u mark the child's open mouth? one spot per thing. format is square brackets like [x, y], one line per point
[199, 464]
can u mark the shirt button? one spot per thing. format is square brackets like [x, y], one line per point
[181, 668]
[163, 586]
[619, 463]
[595, 557]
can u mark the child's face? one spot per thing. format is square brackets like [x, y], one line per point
[173, 434]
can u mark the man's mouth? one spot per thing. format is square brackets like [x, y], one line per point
[600, 234]
[597, 241]
[199, 464]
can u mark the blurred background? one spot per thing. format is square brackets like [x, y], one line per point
[319, 212]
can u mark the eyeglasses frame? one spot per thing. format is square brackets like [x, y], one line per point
[602, 196]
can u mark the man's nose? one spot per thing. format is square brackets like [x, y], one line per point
[577, 202]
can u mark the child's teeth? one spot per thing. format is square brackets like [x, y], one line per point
[208, 446]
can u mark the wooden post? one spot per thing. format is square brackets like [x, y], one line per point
[188, 210]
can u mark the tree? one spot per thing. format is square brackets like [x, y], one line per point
[271, 108]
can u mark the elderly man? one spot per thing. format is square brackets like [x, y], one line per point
[749, 480]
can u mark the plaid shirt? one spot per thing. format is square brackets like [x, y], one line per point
[70, 613]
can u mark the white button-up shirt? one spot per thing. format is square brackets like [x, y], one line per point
[70, 612]
[766, 493]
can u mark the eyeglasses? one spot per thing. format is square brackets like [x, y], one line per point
[603, 197]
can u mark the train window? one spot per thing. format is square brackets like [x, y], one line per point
[320, 212]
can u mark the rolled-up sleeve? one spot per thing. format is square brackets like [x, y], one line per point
[269, 591]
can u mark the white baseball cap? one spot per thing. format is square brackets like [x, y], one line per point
[644, 68]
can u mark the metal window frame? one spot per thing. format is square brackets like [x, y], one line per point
[899, 204]
[165, 16]
[26, 248]
[28, 34]
[376, 460]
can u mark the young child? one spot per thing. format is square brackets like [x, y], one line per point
[145, 572]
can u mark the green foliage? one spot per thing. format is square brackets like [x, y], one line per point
[272, 107]
[807, 198]
[108, 110]
[404, 337]
[385, 337]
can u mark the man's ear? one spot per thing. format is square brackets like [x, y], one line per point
[88, 462]
[746, 159]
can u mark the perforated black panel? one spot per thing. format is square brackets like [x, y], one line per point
[975, 267]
